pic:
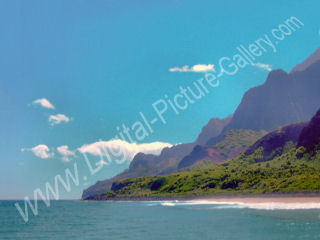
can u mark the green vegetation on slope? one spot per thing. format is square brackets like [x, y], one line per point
[229, 145]
[237, 140]
[293, 171]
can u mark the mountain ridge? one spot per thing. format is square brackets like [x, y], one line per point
[315, 56]
[284, 98]
[293, 170]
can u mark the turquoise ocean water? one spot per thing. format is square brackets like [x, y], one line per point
[158, 220]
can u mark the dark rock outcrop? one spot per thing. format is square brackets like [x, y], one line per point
[274, 142]
[119, 185]
[310, 135]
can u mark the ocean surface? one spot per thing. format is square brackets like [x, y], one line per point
[161, 220]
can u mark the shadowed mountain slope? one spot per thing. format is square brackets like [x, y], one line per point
[274, 143]
[314, 57]
[282, 100]
[310, 135]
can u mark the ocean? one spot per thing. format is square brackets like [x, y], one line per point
[162, 220]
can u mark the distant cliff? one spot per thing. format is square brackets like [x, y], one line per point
[283, 99]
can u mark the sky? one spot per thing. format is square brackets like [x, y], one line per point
[72, 72]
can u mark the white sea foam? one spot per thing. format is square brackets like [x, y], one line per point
[170, 204]
[283, 206]
[252, 205]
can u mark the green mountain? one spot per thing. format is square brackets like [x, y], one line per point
[284, 98]
[167, 162]
[295, 168]
[284, 173]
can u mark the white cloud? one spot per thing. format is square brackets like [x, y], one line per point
[66, 153]
[194, 68]
[121, 150]
[43, 102]
[101, 162]
[41, 151]
[58, 118]
[263, 66]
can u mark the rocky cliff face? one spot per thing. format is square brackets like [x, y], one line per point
[273, 143]
[169, 158]
[212, 129]
[305, 134]
[314, 57]
[283, 99]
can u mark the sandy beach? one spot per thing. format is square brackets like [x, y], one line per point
[265, 199]
[275, 198]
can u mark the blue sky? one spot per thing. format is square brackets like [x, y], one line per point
[100, 63]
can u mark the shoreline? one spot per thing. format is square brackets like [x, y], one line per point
[268, 197]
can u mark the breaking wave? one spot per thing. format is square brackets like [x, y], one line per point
[251, 205]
